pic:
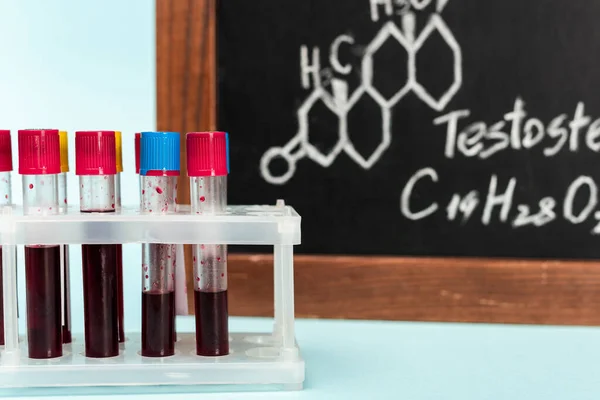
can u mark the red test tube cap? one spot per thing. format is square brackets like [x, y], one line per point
[39, 151]
[206, 153]
[138, 137]
[6, 163]
[95, 153]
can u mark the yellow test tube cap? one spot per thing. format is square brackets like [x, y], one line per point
[64, 151]
[119, 145]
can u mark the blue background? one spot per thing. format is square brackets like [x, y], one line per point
[81, 65]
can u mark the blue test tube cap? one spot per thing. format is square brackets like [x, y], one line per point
[227, 144]
[159, 151]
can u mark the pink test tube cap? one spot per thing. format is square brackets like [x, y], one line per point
[95, 153]
[206, 153]
[138, 138]
[6, 163]
[39, 151]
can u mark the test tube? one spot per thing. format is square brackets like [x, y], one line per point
[207, 169]
[95, 164]
[5, 200]
[159, 169]
[120, 305]
[64, 249]
[39, 165]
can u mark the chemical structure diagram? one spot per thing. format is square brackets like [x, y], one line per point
[339, 102]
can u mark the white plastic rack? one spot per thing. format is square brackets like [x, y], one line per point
[271, 359]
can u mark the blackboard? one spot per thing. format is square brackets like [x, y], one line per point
[416, 127]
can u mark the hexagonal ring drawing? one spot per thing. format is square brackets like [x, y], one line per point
[436, 22]
[325, 160]
[388, 30]
[386, 140]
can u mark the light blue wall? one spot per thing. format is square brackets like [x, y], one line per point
[80, 65]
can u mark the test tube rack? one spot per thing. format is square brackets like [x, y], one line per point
[256, 360]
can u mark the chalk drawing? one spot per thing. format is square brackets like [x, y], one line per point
[340, 102]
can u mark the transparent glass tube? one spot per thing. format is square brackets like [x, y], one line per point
[140, 189]
[209, 197]
[42, 273]
[120, 302]
[64, 265]
[97, 194]
[5, 188]
[118, 191]
[5, 200]
[158, 272]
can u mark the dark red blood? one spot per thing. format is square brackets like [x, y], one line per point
[158, 190]
[202, 198]
[158, 319]
[44, 327]
[100, 300]
[212, 327]
[66, 334]
[31, 186]
[174, 330]
[120, 305]
[66, 317]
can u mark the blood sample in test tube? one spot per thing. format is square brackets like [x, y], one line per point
[39, 165]
[120, 304]
[6, 166]
[207, 167]
[64, 249]
[95, 164]
[159, 170]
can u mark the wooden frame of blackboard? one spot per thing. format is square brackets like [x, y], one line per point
[390, 288]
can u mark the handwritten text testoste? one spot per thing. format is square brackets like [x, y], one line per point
[516, 130]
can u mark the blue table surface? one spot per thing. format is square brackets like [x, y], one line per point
[408, 360]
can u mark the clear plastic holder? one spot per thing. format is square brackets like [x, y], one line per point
[256, 360]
